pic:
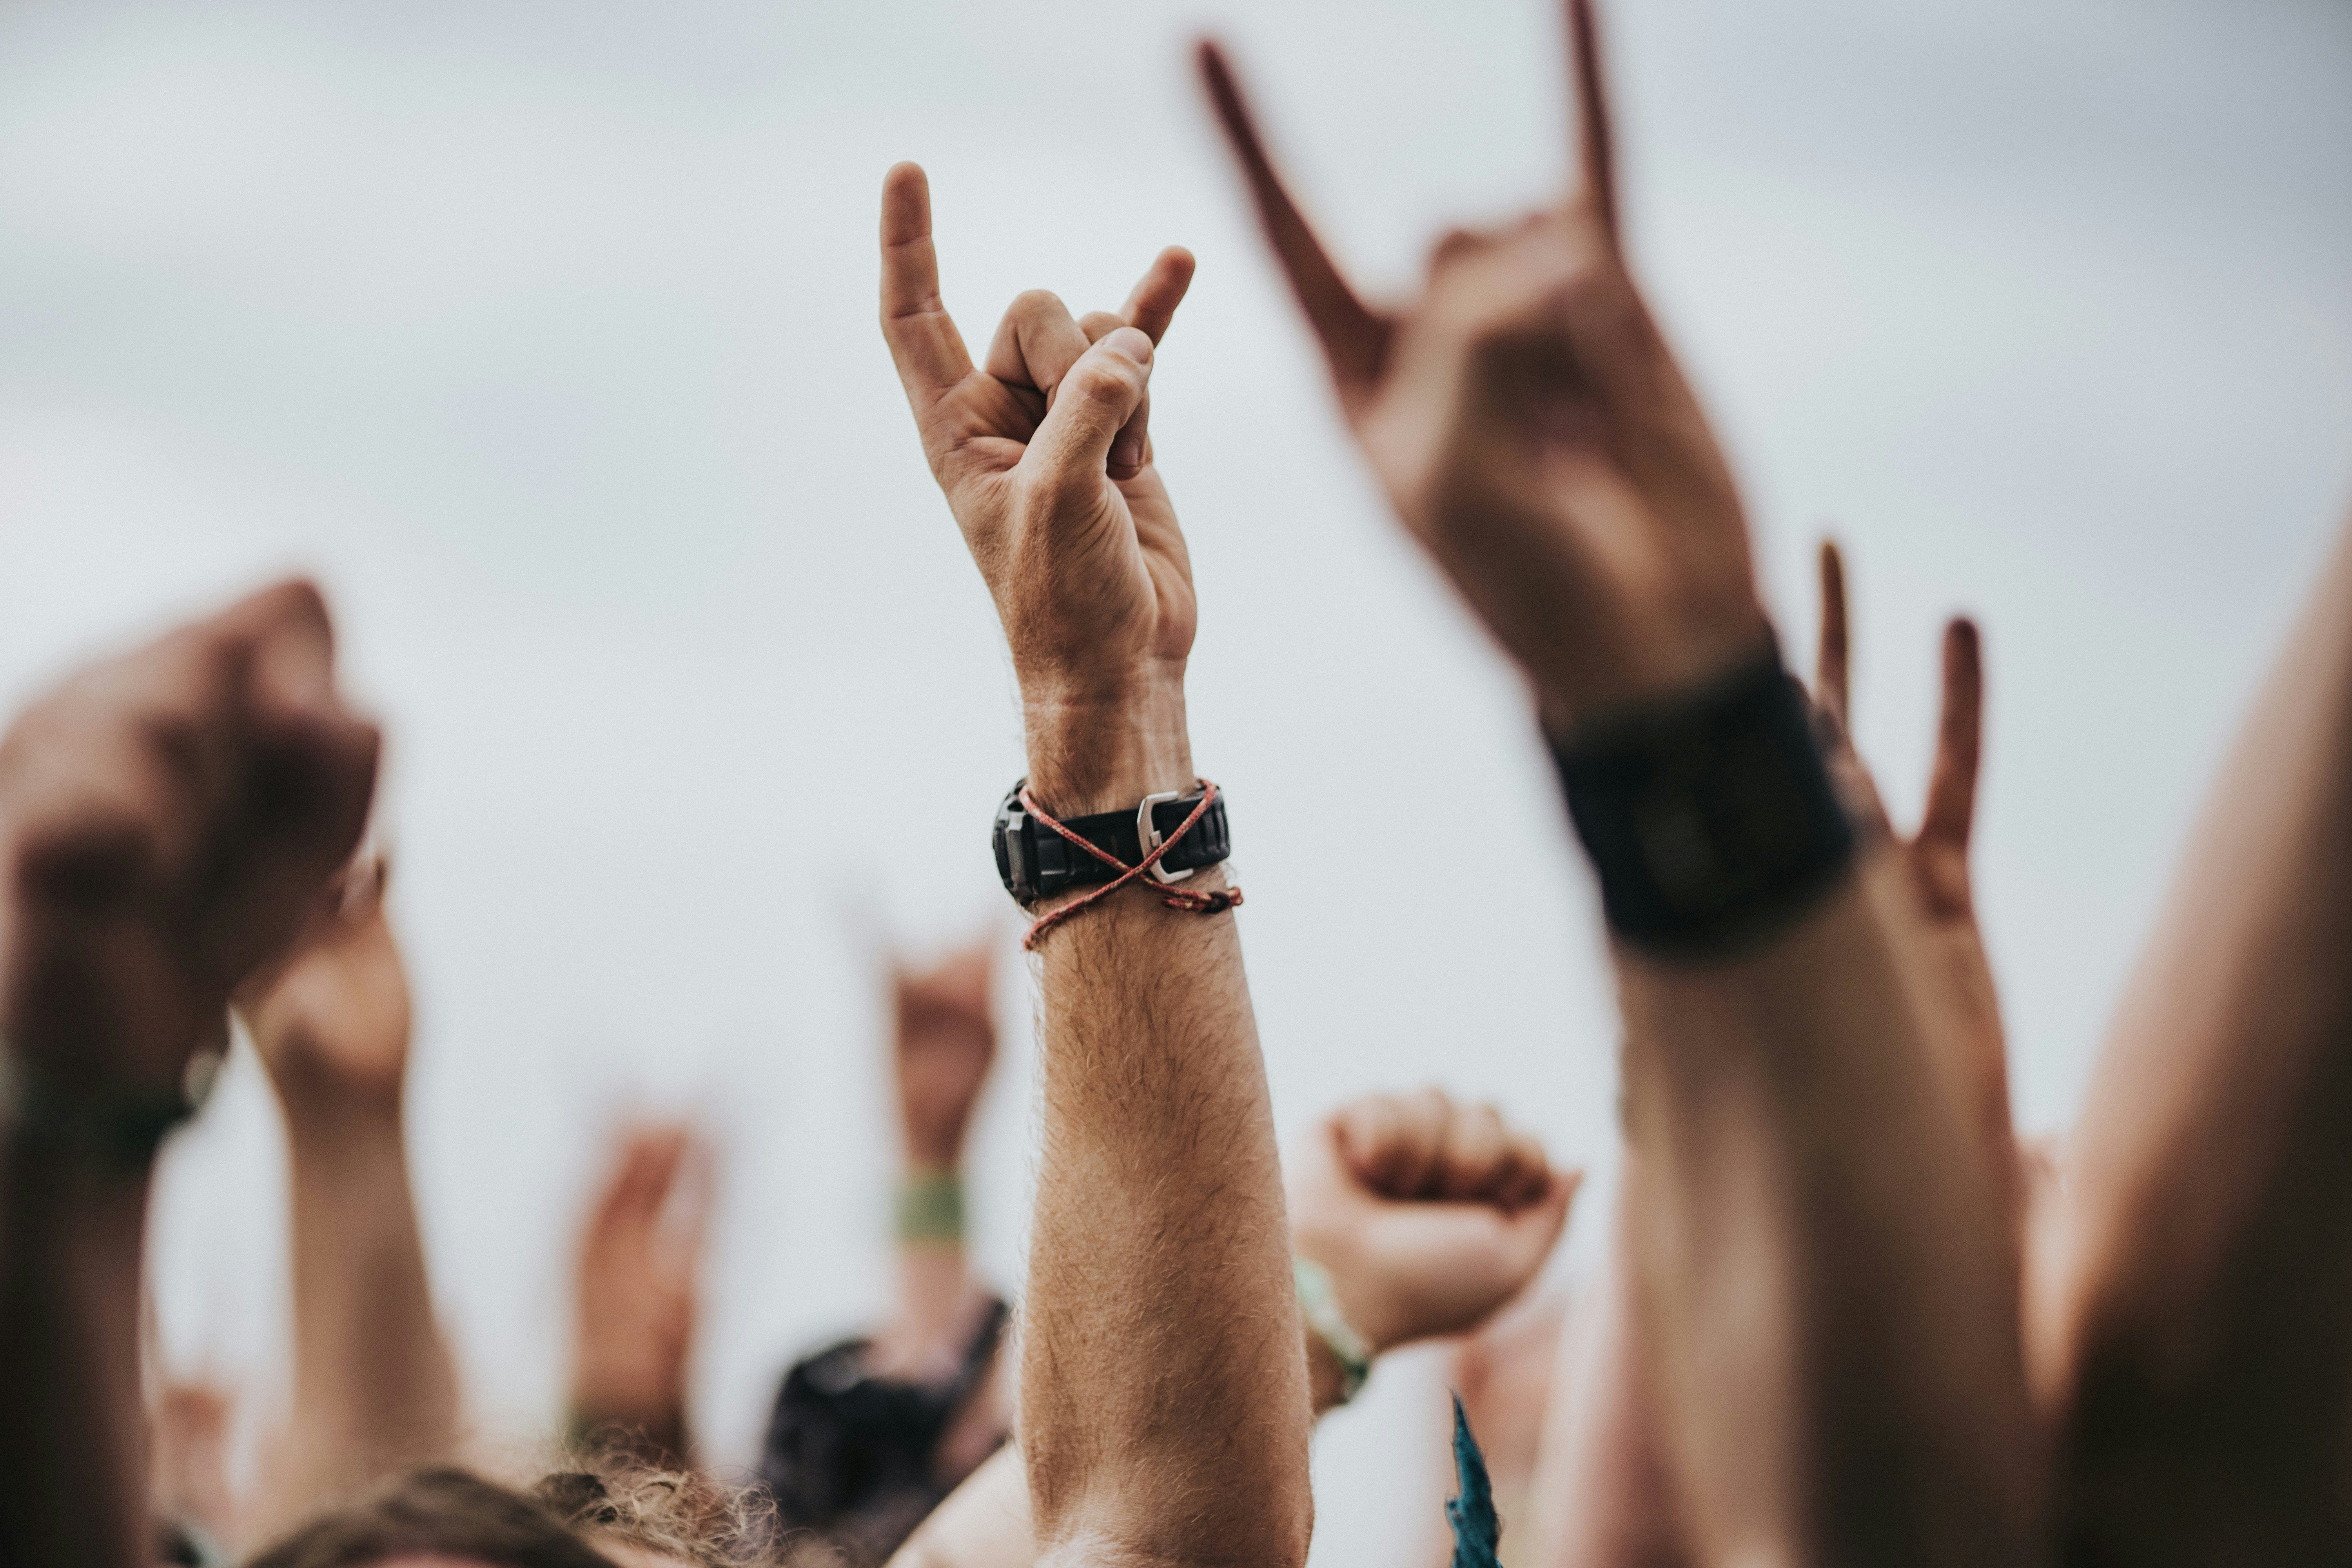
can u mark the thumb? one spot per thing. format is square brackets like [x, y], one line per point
[1536, 1229]
[1072, 448]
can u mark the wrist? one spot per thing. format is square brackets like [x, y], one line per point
[1369, 1310]
[107, 1128]
[1682, 656]
[330, 1134]
[313, 1090]
[1101, 751]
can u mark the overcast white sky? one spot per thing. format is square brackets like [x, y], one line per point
[542, 333]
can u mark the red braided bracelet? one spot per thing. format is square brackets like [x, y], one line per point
[1175, 898]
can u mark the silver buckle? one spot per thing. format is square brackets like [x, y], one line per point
[1148, 835]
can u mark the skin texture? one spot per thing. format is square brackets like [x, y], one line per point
[1821, 1258]
[638, 1292]
[1164, 1401]
[2197, 1332]
[166, 819]
[1432, 1216]
[375, 1389]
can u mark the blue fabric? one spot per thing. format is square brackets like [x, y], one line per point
[1477, 1531]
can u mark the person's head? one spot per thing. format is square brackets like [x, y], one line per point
[606, 1515]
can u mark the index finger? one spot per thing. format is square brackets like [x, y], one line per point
[923, 338]
[1355, 340]
[1596, 143]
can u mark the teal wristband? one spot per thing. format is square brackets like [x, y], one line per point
[1319, 1304]
[930, 1207]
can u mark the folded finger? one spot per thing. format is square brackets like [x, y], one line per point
[1475, 1144]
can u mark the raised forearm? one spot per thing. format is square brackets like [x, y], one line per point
[72, 1451]
[2211, 1178]
[1602, 1497]
[1819, 1258]
[985, 1522]
[374, 1389]
[1164, 1400]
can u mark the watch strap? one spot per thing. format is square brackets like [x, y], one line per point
[1037, 862]
[1709, 816]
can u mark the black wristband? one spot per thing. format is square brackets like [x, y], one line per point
[1709, 816]
[122, 1128]
[1035, 862]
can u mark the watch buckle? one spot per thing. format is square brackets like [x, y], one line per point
[1147, 833]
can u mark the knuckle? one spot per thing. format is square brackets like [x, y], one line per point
[1032, 304]
[1104, 383]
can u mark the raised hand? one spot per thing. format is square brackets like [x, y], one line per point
[1047, 466]
[1534, 432]
[640, 1268]
[330, 1020]
[1430, 1215]
[166, 819]
[945, 1042]
[1935, 856]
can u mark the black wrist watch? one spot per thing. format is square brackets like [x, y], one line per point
[1037, 862]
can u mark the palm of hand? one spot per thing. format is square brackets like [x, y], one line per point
[1101, 566]
[946, 1044]
[639, 1265]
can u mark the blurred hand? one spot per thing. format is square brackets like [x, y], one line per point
[331, 1019]
[188, 1435]
[1046, 461]
[1945, 932]
[945, 1040]
[1532, 429]
[1429, 1214]
[166, 818]
[640, 1266]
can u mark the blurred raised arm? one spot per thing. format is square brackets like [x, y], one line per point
[1605, 1499]
[375, 1390]
[166, 818]
[636, 1295]
[2198, 1334]
[1821, 1258]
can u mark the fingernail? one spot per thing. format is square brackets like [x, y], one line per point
[1127, 452]
[1131, 342]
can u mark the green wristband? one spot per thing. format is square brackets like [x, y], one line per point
[1319, 1304]
[930, 1207]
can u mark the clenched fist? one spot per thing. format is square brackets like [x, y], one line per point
[1429, 1214]
[166, 818]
